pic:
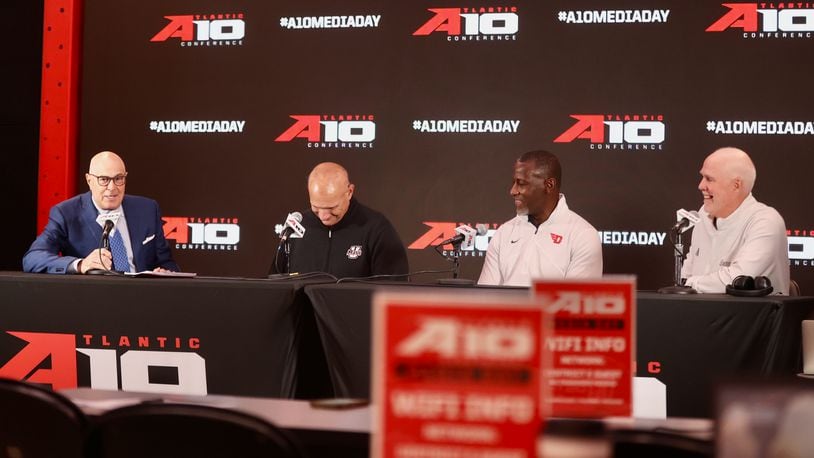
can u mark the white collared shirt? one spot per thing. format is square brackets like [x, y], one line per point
[564, 246]
[751, 241]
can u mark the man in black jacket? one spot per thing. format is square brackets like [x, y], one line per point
[343, 237]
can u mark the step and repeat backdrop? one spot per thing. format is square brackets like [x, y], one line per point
[221, 108]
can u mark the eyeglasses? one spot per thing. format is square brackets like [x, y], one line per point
[118, 180]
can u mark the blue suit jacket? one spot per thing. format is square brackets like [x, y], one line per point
[72, 232]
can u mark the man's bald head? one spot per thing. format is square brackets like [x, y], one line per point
[104, 160]
[736, 164]
[328, 179]
[727, 178]
[330, 192]
[110, 167]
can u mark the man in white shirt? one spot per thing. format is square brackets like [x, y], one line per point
[737, 235]
[546, 239]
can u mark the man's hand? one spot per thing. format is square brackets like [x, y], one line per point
[92, 261]
[161, 269]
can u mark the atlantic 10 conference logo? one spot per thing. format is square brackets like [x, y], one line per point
[331, 131]
[767, 19]
[195, 233]
[138, 362]
[222, 29]
[443, 230]
[801, 247]
[617, 131]
[492, 23]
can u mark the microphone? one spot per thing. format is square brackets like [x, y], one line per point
[292, 226]
[106, 234]
[685, 220]
[108, 222]
[465, 235]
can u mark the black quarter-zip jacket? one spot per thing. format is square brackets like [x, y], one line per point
[363, 243]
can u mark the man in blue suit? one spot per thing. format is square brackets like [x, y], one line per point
[70, 242]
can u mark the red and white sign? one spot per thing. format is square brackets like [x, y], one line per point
[330, 129]
[202, 233]
[204, 29]
[592, 346]
[469, 22]
[456, 376]
[792, 18]
[616, 129]
[121, 362]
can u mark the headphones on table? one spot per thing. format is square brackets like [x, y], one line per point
[746, 286]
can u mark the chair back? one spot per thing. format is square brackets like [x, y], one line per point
[159, 430]
[794, 288]
[36, 422]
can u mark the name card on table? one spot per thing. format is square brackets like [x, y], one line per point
[592, 346]
[456, 376]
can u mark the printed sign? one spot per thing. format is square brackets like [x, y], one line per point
[456, 376]
[591, 346]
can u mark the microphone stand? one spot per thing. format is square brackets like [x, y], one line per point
[106, 245]
[677, 287]
[287, 250]
[283, 245]
[274, 270]
[455, 257]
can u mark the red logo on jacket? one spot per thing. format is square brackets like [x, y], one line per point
[556, 238]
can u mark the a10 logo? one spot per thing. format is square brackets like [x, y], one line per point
[481, 21]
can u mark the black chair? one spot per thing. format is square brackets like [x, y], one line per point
[180, 430]
[36, 422]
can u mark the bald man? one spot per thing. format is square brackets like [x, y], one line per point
[342, 236]
[737, 235]
[71, 241]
